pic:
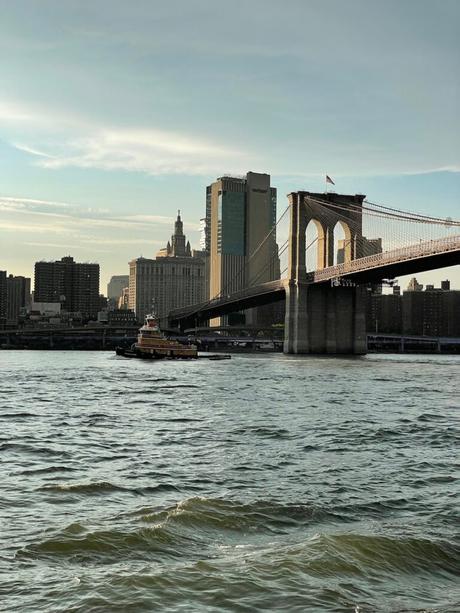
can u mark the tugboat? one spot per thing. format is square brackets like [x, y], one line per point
[153, 345]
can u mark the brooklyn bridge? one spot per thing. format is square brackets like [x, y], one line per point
[324, 307]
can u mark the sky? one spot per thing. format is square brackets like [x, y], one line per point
[115, 114]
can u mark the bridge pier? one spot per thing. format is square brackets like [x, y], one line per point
[295, 319]
[324, 319]
[321, 317]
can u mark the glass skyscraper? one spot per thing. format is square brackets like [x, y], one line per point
[240, 237]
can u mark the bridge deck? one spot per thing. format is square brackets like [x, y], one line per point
[388, 264]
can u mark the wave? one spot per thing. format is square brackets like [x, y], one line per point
[225, 515]
[107, 546]
[318, 572]
[104, 487]
[18, 415]
[32, 449]
[46, 470]
[383, 553]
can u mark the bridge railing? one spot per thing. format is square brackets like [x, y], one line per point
[421, 249]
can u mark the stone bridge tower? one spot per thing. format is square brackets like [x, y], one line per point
[321, 318]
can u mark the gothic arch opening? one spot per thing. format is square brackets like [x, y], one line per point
[315, 245]
[343, 248]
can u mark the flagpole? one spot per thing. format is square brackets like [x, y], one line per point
[326, 183]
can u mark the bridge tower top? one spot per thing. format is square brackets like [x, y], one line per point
[325, 210]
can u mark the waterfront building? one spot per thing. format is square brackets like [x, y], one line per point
[18, 298]
[121, 317]
[123, 300]
[384, 313]
[74, 285]
[116, 286]
[364, 247]
[175, 278]
[3, 299]
[240, 236]
[414, 285]
[432, 312]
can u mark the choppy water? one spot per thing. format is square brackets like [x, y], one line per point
[262, 483]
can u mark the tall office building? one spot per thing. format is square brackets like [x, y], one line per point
[240, 237]
[175, 278]
[3, 299]
[364, 247]
[414, 285]
[445, 285]
[18, 297]
[74, 285]
[116, 285]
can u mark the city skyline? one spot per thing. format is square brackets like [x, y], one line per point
[114, 117]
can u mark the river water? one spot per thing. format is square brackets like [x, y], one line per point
[263, 483]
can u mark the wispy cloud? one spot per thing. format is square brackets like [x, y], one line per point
[12, 113]
[8, 203]
[450, 168]
[34, 215]
[66, 247]
[66, 140]
[150, 151]
[31, 150]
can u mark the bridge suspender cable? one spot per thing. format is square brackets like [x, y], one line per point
[386, 213]
[242, 269]
[407, 229]
[237, 275]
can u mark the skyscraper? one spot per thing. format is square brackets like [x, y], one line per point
[18, 292]
[414, 285]
[240, 235]
[3, 299]
[175, 278]
[74, 285]
[116, 285]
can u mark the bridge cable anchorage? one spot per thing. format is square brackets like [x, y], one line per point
[244, 267]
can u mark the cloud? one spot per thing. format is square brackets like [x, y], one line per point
[150, 151]
[8, 203]
[451, 168]
[65, 246]
[12, 113]
[119, 241]
[66, 218]
[31, 150]
[65, 140]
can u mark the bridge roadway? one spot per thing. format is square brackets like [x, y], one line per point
[416, 258]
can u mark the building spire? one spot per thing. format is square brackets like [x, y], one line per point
[178, 226]
[178, 246]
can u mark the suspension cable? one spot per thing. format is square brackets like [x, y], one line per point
[403, 215]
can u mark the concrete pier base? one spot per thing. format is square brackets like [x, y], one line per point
[325, 320]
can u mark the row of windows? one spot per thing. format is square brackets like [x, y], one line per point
[186, 271]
